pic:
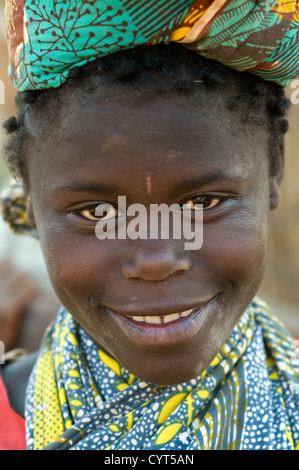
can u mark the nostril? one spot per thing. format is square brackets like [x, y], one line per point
[152, 277]
[154, 268]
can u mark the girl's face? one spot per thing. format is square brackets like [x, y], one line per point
[159, 151]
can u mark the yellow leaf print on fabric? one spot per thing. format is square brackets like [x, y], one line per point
[179, 34]
[76, 402]
[129, 417]
[203, 394]
[114, 428]
[62, 396]
[284, 6]
[122, 386]
[190, 20]
[110, 362]
[289, 436]
[274, 376]
[189, 402]
[72, 338]
[216, 360]
[170, 406]
[74, 386]
[73, 373]
[69, 423]
[168, 433]
[270, 362]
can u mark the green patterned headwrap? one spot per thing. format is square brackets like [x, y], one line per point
[48, 37]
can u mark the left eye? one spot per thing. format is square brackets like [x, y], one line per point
[98, 212]
[207, 202]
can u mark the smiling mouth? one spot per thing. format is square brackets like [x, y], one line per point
[161, 320]
[160, 331]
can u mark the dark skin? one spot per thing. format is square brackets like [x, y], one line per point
[162, 151]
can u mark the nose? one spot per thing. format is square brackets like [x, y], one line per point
[155, 264]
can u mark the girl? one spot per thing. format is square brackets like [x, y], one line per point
[156, 347]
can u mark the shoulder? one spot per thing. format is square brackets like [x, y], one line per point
[15, 376]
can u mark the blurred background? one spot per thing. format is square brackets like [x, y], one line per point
[27, 301]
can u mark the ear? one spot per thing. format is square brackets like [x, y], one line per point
[30, 213]
[29, 207]
[276, 175]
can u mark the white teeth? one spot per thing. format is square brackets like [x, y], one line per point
[152, 320]
[171, 317]
[186, 313]
[138, 318]
[155, 320]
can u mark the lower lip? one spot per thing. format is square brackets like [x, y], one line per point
[174, 333]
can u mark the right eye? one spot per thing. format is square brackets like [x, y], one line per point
[97, 212]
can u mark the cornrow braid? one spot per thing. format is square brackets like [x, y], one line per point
[161, 69]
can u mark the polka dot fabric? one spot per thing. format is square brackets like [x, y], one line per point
[248, 398]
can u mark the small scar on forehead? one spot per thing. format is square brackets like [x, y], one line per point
[148, 181]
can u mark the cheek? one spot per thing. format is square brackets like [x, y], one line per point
[76, 266]
[237, 249]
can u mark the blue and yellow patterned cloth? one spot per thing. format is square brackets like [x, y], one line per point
[49, 37]
[80, 398]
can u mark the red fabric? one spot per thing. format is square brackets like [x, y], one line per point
[12, 425]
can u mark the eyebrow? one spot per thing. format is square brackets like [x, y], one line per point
[214, 177]
[78, 186]
[101, 188]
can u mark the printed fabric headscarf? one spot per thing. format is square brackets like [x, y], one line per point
[49, 37]
[80, 398]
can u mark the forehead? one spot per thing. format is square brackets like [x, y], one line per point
[114, 131]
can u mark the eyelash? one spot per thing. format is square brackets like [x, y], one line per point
[214, 202]
[207, 197]
[93, 207]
